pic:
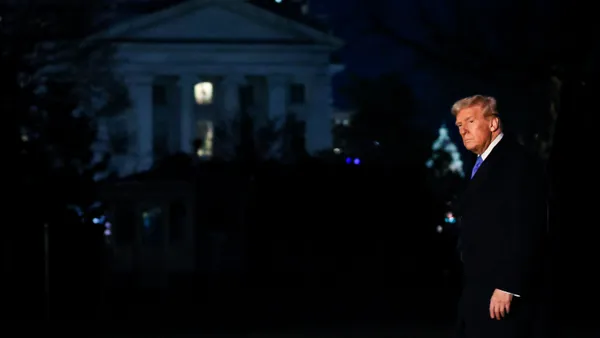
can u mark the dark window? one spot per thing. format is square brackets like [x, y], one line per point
[159, 95]
[119, 136]
[297, 93]
[246, 94]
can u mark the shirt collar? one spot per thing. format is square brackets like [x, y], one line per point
[489, 149]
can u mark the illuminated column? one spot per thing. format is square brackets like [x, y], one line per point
[319, 135]
[231, 100]
[277, 107]
[229, 110]
[140, 119]
[186, 121]
[277, 99]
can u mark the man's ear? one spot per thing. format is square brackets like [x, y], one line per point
[494, 124]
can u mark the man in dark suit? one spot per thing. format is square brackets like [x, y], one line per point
[502, 217]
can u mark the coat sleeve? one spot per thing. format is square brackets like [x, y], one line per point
[526, 226]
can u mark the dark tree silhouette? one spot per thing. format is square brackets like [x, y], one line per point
[384, 127]
[54, 84]
[276, 139]
[57, 83]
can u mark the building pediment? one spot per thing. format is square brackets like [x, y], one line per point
[220, 21]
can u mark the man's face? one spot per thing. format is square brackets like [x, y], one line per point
[475, 129]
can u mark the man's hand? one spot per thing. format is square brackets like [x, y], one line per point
[500, 304]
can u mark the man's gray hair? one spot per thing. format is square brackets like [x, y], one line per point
[487, 104]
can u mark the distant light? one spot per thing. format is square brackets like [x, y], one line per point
[348, 160]
[278, 1]
[337, 151]
[376, 143]
[107, 232]
[439, 229]
[450, 218]
[357, 161]
[96, 220]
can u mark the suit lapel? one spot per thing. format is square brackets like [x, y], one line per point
[483, 173]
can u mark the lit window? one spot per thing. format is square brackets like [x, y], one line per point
[206, 135]
[203, 92]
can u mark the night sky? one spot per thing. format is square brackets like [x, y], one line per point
[450, 49]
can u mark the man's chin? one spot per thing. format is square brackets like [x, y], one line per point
[470, 146]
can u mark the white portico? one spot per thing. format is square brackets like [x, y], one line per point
[193, 66]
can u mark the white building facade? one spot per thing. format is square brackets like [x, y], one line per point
[190, 67]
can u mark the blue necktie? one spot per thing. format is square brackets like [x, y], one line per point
[477, 165]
